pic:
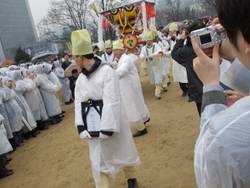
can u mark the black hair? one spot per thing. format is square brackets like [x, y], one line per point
[194, 25]
[74, 71]
[89, 56]
[234, 16]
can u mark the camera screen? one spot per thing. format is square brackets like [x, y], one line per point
[205, 38]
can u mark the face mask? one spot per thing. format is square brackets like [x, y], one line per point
[237, 77]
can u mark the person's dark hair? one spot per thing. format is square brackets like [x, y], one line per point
[194, 25]
[89, 56]
[74, 71]
[234, 15]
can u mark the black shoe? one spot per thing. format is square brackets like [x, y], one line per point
[132, 183]
[68, 103]
[63, 112]
[158, 98]
[141, 133]
[6, 173]
[190, 100]
[169, 83]
[42, 127]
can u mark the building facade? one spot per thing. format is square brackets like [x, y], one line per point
[16, 27]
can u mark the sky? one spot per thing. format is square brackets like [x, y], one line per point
[39, 9]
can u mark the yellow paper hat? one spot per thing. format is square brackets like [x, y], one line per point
[118, 45]
[149, 36]
[173, 27]
[81, 42]
[108, 44]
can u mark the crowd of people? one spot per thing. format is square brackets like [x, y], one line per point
[109, 102]
[29, 102]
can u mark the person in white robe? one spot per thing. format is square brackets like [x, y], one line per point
[165, 46]
[5, 147]
[13, 110]
[3, 111]
[59, 71]
[34, 98]
[100, 116]
[153, 53]
[108, 56]
[131, 91]
[48, 91]
[20, 88]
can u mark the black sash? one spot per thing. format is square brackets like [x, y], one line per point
[98, 106]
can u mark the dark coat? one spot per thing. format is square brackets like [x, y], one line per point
[184, 55]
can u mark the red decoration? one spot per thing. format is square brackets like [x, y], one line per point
[105, 24]
[150, 10]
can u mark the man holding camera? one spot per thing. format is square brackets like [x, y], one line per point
[222, 151]
[184, 54]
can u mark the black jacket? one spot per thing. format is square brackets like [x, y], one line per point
[184, 55]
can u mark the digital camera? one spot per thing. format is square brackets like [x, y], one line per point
[209, 36]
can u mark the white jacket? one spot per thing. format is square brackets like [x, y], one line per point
[131, 91]
[222, 151]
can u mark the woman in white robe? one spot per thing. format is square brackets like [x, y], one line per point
[13, 110]
[4, 113]
[20, 87]
[34, 97]
[48, 91]
[5, 146]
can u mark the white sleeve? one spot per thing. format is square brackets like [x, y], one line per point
[111, 115]
[78, 101]
[103, 59]
[122, 70]
[47, 85]
[20, 86]
[158, 49]
[143, 53]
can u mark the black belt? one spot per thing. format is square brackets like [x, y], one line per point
[98, 106]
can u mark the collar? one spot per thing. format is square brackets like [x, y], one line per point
[149, 47]
[93, 68]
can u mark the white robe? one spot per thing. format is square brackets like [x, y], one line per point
[155, 66]
[107, 155]
[21, 87]
[48, 90]
[131, 91]
[222, 151]
[67, 95]
[34, 100]
[5, 146]
[5, 115]
[165, 60]
[13, 110]
[179, 72]
[109, 59]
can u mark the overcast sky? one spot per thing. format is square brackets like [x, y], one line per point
[39, 9]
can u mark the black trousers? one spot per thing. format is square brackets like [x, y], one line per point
[198, 106]
[184, 87]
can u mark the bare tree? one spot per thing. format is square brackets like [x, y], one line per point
[209, 3]
[71, 14]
